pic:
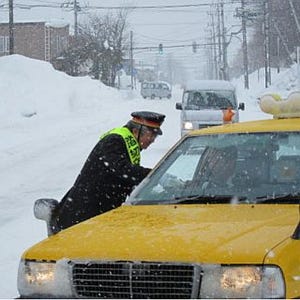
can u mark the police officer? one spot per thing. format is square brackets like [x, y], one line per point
[111, 171]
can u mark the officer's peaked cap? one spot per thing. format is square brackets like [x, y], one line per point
[150, 119]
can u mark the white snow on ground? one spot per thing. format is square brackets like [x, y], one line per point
[41, 155]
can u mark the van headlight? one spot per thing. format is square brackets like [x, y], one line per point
[242, 282]
[187, 125]
[44, 279]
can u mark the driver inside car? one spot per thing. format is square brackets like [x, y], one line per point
[214, 172]
[217, 167]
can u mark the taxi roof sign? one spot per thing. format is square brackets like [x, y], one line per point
[279, 107]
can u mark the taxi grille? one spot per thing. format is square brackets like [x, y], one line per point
[133, 280]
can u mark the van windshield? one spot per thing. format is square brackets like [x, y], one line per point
[196, 100]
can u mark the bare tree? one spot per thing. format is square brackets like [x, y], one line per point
[72, 59]
[98, 49]
[105, 41]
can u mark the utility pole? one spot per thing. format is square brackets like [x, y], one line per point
[210, 61]
[214, 49]
[220, 76]
[74, 5]
[266, 43]
[278, 54]
[245, 48]
[131, 58]
[224, 44]
[76, 8]
[11, 27]
[298, 66]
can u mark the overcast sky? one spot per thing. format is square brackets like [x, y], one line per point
[170, 22]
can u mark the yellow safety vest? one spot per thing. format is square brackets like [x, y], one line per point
[132, 145]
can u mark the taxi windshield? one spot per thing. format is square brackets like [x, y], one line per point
[227, 168]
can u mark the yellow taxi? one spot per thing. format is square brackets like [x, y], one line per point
[218, 217]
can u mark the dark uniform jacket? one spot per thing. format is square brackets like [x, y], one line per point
[104, 182]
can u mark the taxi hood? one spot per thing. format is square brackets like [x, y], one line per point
[214, 233]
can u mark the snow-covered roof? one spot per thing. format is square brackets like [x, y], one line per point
[51, 23]
[208, 85]
[57, 23]
[159, 81]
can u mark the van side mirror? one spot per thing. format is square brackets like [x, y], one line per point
[241, 106]
[179, 105]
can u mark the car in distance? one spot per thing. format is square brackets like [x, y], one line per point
[218, 217]
[156, 89]
[203, 103]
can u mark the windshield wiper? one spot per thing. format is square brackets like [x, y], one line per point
[145, 202]
[210, 199]
[281, 198]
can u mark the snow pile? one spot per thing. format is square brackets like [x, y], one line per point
[283, 83]
[35, 87]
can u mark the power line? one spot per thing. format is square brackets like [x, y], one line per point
[167, 24]
[167, 40]
[47, 4]
[152, 6]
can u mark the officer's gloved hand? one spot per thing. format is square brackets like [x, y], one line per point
[169, 181]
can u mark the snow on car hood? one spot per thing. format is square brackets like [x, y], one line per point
[187, 233]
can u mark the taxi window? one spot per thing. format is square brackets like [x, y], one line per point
[285, 146]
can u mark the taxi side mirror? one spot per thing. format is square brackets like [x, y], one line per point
[43, 210]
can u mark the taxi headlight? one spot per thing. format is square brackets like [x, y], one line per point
[39, 278]
[188, 125]
[243, 282]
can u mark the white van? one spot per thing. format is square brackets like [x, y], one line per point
[156, 89]
[203, 102]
